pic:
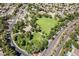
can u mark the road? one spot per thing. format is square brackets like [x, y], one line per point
[51, 45]
[12, 42]
[63, 42]
[54, 43]
[65, 39]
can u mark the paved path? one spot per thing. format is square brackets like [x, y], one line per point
[12, 43]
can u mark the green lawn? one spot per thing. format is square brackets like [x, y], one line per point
[46, 24]
[38, 41]
[37, 36]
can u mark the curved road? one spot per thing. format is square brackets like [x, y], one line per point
[10, 37]
[12, 43]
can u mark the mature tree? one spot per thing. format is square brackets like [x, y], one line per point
[75, 44]
[77, 30]
[70, 17]
[76, 14]
[73, 36]
[7, 50]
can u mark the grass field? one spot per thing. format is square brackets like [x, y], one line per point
[46, 24]
[37, 38]
[38, 41]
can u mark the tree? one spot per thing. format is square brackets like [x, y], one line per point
[76, 14]
[1, 24]
[20, 39]
[19, 5]
[7, 50]
[77, 30]
[29, 47]
[70, 17]
[15, 30]
[24, 42]
[39, 15]
[75, 44]
[72, 35]
[19, 26]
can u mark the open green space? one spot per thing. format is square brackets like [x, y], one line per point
[46, 24]
[36, 41]
[33, 43]
[39, 42]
